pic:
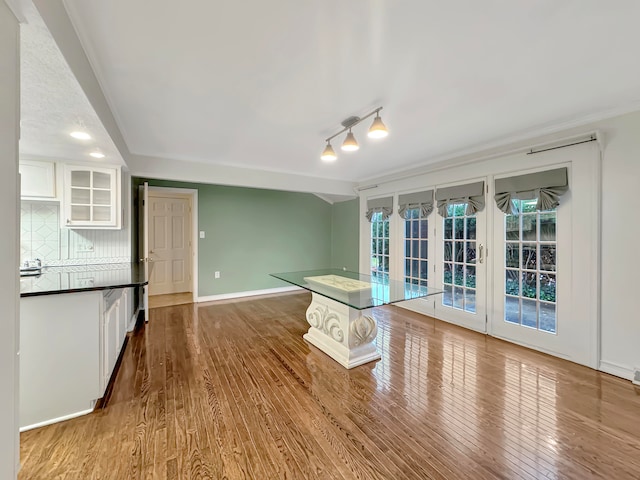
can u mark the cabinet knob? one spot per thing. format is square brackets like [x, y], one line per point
[68, 221]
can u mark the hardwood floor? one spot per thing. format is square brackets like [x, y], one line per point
[231, 390]
[170, 299]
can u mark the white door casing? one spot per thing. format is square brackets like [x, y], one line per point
[143, 242]
[169, 243]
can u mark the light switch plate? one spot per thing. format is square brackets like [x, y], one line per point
[201, 233]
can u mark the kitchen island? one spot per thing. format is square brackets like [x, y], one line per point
[73, 326]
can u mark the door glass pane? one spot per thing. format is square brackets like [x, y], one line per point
[548, 226]
[530, 261]
[447, 299]
[379, 247]
[548, 317]
[512, 282]
[458, 297]
[529, 227]
[416, 269]
[529, 257]
[448, 228]
[512, 259]
[529, 315]
[460, 257]
[471, 227]
[448, 251]
[548, 257]
[512, 310]
[471, 252]
[512, 227]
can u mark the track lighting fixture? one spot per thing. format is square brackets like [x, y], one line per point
[350, 144]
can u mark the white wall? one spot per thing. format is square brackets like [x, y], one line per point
[620, 350]
[9, 125]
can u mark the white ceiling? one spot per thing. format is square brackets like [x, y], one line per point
[52, 103]
[261, 84]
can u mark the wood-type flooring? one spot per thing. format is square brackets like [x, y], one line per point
[231, 391]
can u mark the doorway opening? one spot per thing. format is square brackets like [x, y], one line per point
[171, 239]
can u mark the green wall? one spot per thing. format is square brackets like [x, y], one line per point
[345, 231]
[253, 232]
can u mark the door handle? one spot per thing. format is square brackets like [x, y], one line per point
[481, 254]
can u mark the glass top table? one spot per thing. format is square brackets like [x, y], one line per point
[340, 315]
[356, 290]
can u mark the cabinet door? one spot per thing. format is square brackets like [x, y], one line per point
[37, 180]
[91, 197]
[123, 320]
[110, 341]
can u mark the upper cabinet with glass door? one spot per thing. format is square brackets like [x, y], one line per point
[91, 197]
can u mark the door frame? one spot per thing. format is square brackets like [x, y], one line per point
[192, 193]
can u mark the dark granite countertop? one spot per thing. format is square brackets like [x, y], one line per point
[83, 278]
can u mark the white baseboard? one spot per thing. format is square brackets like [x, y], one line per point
[250, 293]
[616, 369]
[56, 420]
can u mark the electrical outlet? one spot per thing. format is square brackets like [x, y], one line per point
[217, 274]
[86, 282]
[85, 247]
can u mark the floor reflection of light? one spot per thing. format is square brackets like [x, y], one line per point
[529, 414]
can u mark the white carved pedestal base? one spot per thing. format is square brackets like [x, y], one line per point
[344, 333]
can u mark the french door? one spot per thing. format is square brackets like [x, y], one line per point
[460, 266]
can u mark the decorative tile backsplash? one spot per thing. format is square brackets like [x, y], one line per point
[42, 237]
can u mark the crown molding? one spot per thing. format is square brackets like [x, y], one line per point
[510, 144]
[18, 8]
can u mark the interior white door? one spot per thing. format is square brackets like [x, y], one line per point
[143, 241]
[169, 243]
[460, 267]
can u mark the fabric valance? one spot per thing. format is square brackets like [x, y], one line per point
[471, 193]
[421, 200]
[546, 186]
[383, 205]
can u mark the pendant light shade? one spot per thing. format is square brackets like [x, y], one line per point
[328, 155]
[377, 129]
[350, 144]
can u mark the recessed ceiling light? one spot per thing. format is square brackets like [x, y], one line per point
[80, 135]
[97, 154]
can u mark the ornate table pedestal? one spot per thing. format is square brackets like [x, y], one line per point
[344, 333]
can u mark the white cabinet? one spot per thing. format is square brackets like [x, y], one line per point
[59, 361]
[91, 197]
[37, 180]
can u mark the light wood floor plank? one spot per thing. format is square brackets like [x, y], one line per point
[231, 390]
